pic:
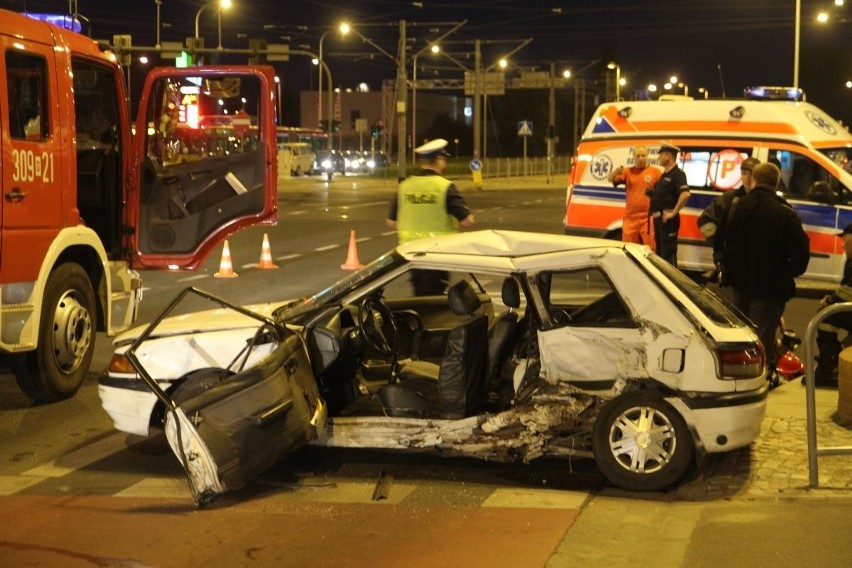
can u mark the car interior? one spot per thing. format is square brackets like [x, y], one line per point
[446, 356]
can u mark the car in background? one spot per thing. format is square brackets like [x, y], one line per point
[543, 345]
[328, 162]
[355, 162]
[375, 160]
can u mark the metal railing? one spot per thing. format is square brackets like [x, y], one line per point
[814, 450]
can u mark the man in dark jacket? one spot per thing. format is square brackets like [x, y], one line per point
[714, 219]
[765, 249]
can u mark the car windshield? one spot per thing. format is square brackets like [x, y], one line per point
[334, 294]
[709, 303]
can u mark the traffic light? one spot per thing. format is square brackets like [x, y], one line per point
[377, 129]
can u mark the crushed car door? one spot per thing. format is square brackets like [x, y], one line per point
[591, 338]
[205, 161]
[237, 421]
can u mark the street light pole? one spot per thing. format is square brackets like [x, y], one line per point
[319, 83]
[798, 33]
[401, 99]
[617, 67]
[222, 5]
[159, 3]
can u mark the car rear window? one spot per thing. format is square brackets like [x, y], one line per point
[704, 299]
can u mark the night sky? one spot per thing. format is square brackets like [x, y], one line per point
[710, 44]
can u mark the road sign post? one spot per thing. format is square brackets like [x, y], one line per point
[525, 130]
[476, 172]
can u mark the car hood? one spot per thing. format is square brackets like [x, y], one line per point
[206, 320]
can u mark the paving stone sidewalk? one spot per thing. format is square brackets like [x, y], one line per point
[776, 464]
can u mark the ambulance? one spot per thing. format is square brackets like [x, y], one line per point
[813, 150]
[89, 196]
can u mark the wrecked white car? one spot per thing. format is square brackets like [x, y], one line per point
[542, 345]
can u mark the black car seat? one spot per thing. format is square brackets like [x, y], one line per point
[502, 329]
[458, 389]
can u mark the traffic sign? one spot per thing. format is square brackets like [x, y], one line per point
[475, 165]
[525, 128]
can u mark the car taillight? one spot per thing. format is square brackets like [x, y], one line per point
[741, 361]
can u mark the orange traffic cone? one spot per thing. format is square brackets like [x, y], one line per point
[265, 255]
[226, 269]
[352, 262]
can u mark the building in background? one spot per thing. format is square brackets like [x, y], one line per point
[374, 112]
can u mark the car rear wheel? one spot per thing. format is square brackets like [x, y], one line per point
[642, 443]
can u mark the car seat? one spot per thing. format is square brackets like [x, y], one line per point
[502, 329]
[458, 389]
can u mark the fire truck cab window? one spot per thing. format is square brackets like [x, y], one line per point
[27, 93]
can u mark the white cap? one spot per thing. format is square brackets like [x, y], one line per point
[432, 149]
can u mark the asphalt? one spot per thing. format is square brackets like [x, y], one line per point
[750, 507]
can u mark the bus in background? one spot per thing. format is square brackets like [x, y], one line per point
[315, 138]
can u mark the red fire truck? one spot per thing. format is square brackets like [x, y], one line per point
[88, 196]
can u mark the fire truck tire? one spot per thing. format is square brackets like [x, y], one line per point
[66, 338]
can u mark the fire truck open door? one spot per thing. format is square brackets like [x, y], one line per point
[205, 153]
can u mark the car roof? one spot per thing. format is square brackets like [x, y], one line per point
[493, 248]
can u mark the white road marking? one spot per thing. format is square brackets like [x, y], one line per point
[536, 498]
[194, 277]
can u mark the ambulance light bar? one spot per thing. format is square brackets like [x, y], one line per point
[774, 94]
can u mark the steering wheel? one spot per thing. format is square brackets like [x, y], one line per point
[378, 326]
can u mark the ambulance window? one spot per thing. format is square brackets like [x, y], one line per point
[27, 92]
[712, 168]
[803, 179]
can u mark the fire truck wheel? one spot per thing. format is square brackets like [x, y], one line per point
[66, 338]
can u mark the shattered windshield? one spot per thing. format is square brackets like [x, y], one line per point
[709, 303]
[336, 292]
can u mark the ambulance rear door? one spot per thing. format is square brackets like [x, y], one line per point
[205, 161]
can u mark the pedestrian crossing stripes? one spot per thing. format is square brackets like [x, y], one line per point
[107, 466]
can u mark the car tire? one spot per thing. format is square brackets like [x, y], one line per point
[642, 443]
[66, 338]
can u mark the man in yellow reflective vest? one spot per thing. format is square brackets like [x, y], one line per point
[427, 205]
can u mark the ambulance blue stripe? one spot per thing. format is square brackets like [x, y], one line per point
[812, 215]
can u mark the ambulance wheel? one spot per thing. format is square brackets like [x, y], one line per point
[66, 338]
[641, 443]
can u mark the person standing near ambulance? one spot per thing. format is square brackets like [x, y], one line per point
[637, 180]
[427, 205]
[668, 196]
[765, 249]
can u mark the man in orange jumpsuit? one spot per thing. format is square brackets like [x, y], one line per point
[637, 178]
